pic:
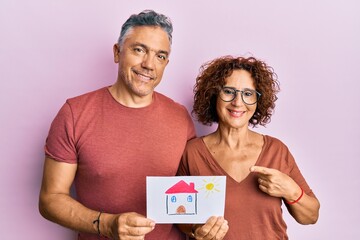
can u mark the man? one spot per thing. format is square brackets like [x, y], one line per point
[109, 140]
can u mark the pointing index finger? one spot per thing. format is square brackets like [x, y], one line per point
[260, 170]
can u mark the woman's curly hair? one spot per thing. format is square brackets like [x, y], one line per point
[212, 78]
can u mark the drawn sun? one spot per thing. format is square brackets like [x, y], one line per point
[210, 186]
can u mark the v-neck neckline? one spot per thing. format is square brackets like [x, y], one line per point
[258, 160]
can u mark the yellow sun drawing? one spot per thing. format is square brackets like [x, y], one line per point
[210, 186]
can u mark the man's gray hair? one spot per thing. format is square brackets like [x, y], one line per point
[146, 18]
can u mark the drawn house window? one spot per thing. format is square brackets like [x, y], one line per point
[181, 199]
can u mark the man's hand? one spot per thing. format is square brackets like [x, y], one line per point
[276, 183]
[131, 226]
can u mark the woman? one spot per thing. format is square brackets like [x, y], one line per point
[261, 172]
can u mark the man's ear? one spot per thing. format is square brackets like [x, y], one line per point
[116, 50]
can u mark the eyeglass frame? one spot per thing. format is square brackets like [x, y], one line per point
[242, 93]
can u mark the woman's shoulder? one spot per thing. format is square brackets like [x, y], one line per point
[195, 142]
[274, 142]
[195, 145]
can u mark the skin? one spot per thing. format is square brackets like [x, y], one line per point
[233, 145]
[224, 144]
[141, 60]
[215, 228]
[278, 184]
[236, 148]
[141, 63]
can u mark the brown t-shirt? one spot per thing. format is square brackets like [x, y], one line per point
[116, 147]
[251, 213]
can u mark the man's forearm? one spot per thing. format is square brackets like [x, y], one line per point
[66, 211]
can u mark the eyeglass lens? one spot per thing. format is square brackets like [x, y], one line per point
[248, 96]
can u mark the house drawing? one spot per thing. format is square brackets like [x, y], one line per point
[181, 199]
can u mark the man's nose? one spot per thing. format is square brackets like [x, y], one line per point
[148, 61]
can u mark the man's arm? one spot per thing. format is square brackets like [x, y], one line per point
[56, 204]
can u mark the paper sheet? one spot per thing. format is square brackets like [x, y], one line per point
[185, 199]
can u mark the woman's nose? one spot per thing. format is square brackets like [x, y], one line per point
[237, 101]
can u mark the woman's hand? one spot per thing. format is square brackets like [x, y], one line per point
[276, 183]
[304, 208]
[215, 228]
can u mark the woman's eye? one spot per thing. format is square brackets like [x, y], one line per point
[248, 93]
[227, 91]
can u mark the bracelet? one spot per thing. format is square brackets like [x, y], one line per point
[97, 222]
[302, 193]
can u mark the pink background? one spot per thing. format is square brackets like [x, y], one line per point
[53, 50]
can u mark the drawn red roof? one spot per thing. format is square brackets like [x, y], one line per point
[182, 187]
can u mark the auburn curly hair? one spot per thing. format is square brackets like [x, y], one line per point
[212, 78]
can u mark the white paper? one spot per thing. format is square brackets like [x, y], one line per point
[185, 199]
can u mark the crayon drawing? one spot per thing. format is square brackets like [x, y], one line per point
[185, 199]
[181, 198]
[210, 186]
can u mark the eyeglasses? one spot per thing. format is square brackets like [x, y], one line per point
[248, 96]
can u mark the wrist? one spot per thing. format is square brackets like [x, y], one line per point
[106, 224]
[96, 223]
[295, 199]
[192, 232]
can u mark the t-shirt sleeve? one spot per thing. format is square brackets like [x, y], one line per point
[183, 169]
[191, 132]
[296, 175]
[60, 143]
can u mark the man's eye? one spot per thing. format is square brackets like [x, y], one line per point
[162, 57]
[139, 50]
